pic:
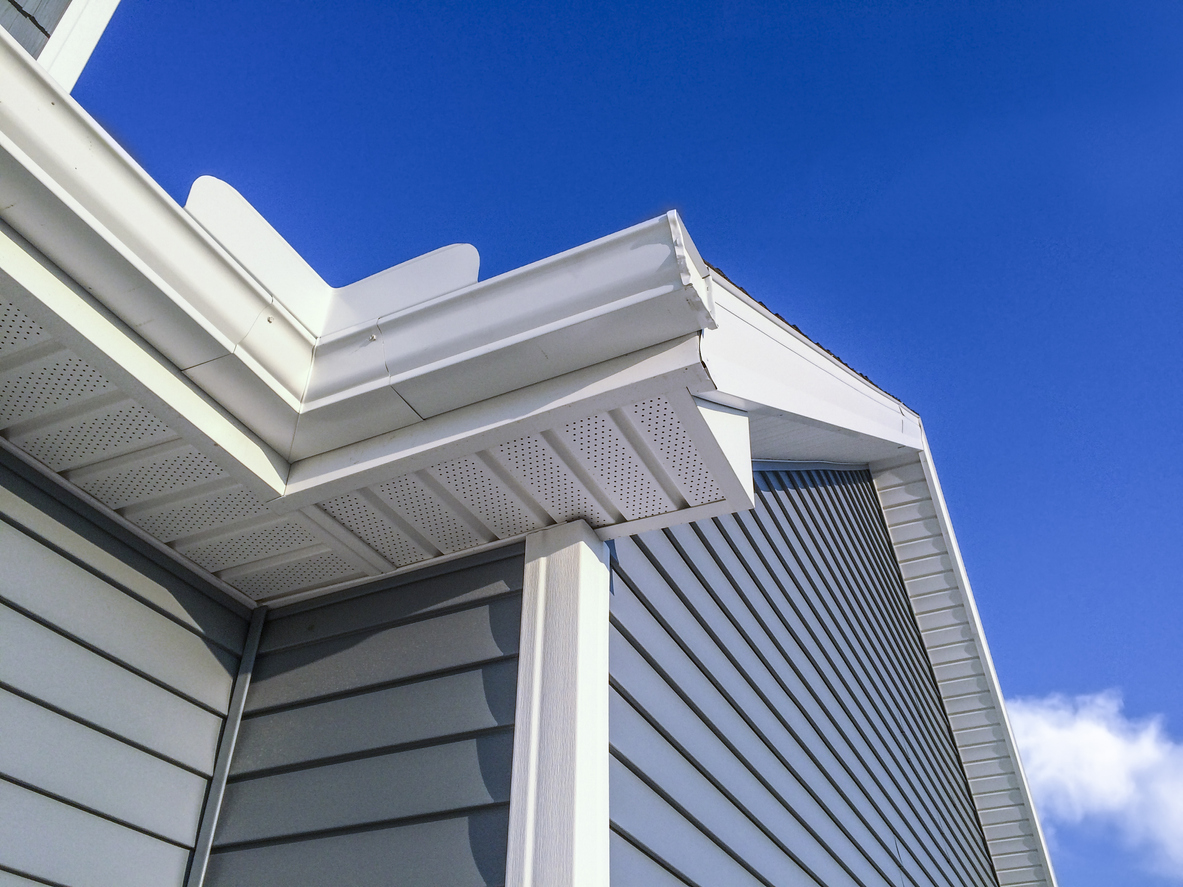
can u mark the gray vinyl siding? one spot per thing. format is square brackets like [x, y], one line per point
[774, 718]
[115, 677]
[31, 22]
[377, 742]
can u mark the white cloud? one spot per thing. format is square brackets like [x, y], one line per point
[1086, 761]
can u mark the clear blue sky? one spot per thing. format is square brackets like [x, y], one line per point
[980, 208]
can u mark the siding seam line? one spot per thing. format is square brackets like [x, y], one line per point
[98, 651]
[93, 811]
[199, 860]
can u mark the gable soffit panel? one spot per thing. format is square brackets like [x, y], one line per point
[937, 585]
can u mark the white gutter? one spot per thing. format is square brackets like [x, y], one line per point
[198, 296]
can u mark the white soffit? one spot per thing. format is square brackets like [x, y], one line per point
[939, 590]
[624, 447]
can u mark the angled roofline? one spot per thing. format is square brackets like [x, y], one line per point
[951, 629]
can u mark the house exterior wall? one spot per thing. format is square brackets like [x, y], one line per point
[377, 739]
[115, 677]
[773, 715]
[774, 718]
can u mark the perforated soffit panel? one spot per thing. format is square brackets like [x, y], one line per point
[612, 469]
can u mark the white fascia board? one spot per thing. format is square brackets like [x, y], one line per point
[671, 367]
[81, 201]
[905, 483]
[760, 364]
[729, 431]
[74, 39]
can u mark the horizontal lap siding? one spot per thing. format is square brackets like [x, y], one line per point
[773, 717]
[115, 677]
[378, 736]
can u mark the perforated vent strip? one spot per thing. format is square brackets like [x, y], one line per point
[374, 529]
[17, 329]
[155, 477]
[610, 461]
[664, 432]
[93, 436]
[550, 482]
[51, 383]
[408, 497]
[244, 548]
[483, 494]
[324, 569]
[205, 514]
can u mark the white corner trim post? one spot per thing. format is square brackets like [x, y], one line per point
[558, 809]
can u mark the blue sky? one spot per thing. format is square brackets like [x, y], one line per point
[979, 206]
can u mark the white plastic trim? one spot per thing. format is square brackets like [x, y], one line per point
[74, 39]
[558, 811]
[1002, 849]
[756, 360]
[203, 299]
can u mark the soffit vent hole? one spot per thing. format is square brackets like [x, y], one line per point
[550, 482]
[609, 460]
[427, 515]
[96, 436]
[360, 518]
[205, 514]
[154, 477]
[667, 435]
[54, 382]
[253, 545]
[324, 569]
[485, 496]
[17, 329]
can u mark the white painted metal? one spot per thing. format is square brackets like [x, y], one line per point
[937, 584]
[803, 403]
[321, 308]
[74, 39]
[81, 201]
[217, 786]
[558, 828]
[624, 466]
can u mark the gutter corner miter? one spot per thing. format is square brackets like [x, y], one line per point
[696, 274]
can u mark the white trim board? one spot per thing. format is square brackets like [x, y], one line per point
[951, 629]
[558, 810]
[75, 38]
